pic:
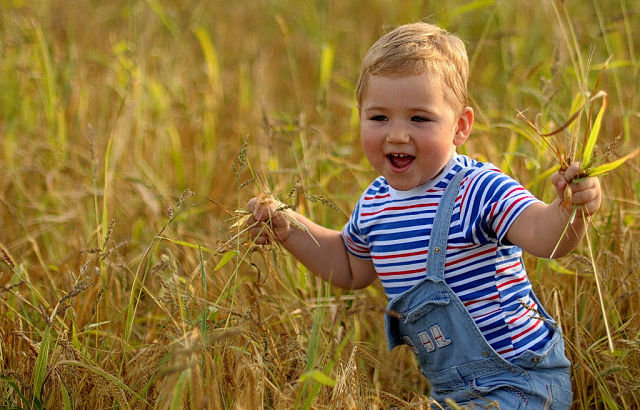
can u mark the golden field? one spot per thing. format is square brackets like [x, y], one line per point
[132, 134]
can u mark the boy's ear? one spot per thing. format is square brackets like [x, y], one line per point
[463, 128]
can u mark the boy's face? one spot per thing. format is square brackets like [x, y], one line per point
[408, 129]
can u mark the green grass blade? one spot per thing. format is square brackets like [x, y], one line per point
[204, 290]
[542, 177]
[40, 371]
[162, 14]
[587, 150]
[326, 66]
[564, 231]
[556, 267]
[66, 400]
[319, 377]
[50, 81]
[314, 353]
[211, 58]
[187, 244]
[177, 156]
[599, 287]
[137, 286]
[572, 129]
[226, 258]
[605, 168]
[178, 390]
[105, 219]
[111, 378]
[213, 98]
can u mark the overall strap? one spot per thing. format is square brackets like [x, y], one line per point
[440, 230]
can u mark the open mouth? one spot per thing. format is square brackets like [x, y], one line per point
[400, 161]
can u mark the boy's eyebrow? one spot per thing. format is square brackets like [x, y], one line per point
[427, 110]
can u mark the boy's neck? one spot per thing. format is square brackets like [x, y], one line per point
[427, 185]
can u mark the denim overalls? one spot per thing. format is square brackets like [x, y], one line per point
[453, 354]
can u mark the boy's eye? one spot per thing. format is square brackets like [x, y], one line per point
[418, 118]
[378, 118]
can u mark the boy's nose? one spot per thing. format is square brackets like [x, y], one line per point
[397, 134]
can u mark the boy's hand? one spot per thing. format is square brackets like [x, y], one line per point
[268, 220]
[583, 192]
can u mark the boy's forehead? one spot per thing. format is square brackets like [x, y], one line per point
[430, 74]
[433, 79]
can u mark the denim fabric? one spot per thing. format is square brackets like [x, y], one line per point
[452, 352]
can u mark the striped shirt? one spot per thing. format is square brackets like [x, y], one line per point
[483, 269]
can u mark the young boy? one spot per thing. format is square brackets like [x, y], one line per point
[445, 233]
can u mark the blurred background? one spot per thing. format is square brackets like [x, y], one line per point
[132, 134]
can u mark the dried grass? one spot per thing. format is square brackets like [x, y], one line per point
[169, 304]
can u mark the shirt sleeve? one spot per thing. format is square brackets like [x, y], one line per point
[354, 241]
[491, 202]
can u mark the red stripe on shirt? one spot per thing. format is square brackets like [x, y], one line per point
[507, 350]
[471, 302]
[368, 198]
[515, 319]
[493, 209]
[402, 272]
[527, 330]
[473, 255]
[506, 213]
[399, 208]
[354, 246]
[486, 314]
[466, 191]
[471, 245]
[508, 267]
[400, 255]
[511, 282]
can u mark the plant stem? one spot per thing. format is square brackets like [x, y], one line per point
[598, 286]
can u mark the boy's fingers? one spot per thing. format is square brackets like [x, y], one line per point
[582, 196]
[558, 182]
[261, 239]
[254, 207]
[251, 221]
[261, 212]
[257, 231]
[572, 172]
[585, 184]
[589, 196]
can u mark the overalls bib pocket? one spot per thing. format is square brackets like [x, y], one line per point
[428, 320]
[404, 315]
[425, 307]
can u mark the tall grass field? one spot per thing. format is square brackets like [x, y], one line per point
[132, 134]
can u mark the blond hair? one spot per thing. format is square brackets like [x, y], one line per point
[418, 48]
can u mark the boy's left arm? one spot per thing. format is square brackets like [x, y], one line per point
[538, 228]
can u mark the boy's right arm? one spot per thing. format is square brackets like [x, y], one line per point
[321, 250]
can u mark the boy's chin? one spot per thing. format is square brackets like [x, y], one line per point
[402, 185]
